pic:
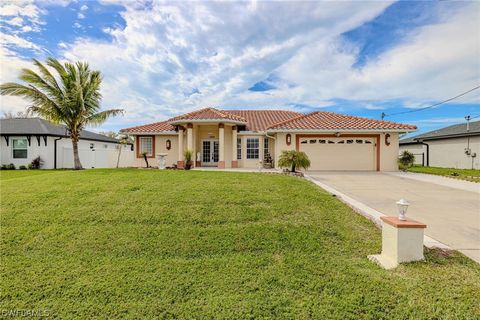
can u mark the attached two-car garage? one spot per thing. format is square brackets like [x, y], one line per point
[354, 153]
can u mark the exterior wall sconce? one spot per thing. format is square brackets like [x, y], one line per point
[387, 139]
[288, 139]
[168, 144]
[337, 134]
[402, 205]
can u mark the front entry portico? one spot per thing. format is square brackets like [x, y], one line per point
[209, 153]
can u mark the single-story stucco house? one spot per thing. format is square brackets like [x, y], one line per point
[456, 146]
[24, 139]
[243, 138]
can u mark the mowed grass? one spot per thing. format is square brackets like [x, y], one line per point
[462, 174]
[142, 244]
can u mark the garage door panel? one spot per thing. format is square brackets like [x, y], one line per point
[340, 154]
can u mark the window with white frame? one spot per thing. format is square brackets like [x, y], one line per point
[19, 147]
[146, 146]
[239, 148]
[252, 148]
[265, 147]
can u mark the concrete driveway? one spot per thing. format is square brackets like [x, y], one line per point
[451, 209]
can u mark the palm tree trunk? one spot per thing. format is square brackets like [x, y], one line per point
[293, 167]
[76, 158]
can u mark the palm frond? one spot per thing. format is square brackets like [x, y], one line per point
[100, 117]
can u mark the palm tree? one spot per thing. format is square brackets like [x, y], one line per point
[293, 159]
[72, 97]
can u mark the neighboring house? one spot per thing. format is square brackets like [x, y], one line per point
[24, 139]
[243, 138]
[456, 146]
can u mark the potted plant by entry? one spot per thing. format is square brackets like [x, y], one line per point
[188, 159]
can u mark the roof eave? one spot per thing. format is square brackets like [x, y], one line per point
[338, 130]
[183, 121]
[150, 133]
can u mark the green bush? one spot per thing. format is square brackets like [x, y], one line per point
[11, 166]
[22, 168]
[3, 167]
[406, 160]
[294, 159]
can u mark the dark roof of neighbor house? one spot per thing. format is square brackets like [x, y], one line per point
[37, 126]
[456, 130]
[262, 120]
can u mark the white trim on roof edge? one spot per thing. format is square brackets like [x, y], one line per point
[337, 130]
[180, 121]
[162, 133]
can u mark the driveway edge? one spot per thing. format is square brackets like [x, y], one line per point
[369, 212]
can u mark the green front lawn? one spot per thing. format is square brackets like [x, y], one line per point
[463, 174]
[139, 244]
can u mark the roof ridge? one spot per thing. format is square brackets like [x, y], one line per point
[301, 116]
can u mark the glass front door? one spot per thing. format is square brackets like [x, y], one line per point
[209, 152]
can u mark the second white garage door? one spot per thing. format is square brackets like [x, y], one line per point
[340, 153]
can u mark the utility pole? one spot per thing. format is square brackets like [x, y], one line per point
[468, 122]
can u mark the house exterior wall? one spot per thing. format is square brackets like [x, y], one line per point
[450, 153]
[103, 154]
[160, 147]
[388, 154]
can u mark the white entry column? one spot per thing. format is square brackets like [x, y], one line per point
[234, 147]
[180, 162]
[221, 146]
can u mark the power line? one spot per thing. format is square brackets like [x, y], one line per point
[433, 105]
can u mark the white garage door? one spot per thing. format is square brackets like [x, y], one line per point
[340, 153]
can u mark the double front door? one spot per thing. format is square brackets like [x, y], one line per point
[209, 152]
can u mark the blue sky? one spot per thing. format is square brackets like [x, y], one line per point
[160, 59]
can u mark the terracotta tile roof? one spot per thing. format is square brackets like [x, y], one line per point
[150, 128]
[260, 120]
[208, 114]
[332, 121]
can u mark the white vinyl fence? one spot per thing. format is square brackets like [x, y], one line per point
[97, 157]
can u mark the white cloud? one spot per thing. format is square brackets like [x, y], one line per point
[8, 40]
[220, 49]
[17, 21]
[170, 49]
[80, 15]
[84, 7]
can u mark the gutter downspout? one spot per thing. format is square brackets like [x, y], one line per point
[428, 151]
[55, 152]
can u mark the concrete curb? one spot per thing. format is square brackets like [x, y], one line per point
[369, 212]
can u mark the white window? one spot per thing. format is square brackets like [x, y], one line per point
[252, 148]
[19, 147]
[266, 150]
[239, 148]
[146, 145]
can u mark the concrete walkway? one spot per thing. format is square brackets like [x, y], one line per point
[450, 209]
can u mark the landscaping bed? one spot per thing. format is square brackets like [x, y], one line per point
[127, 243]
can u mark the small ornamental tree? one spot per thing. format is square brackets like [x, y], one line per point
[294, 159]
[406, 160]
[144, 154]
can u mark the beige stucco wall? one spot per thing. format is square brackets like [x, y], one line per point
[251, 163]
[202, 132]
[160, 147]
[388, 154]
